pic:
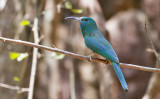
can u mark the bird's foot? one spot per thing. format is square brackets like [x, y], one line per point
[90, 58]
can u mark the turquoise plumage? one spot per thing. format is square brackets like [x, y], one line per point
[95, 41]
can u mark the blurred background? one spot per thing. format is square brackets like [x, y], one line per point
[122, 22]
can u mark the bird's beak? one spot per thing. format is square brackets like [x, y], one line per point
[74, 18]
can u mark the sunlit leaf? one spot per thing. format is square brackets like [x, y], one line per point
[16, 79]
[13, 55]
[18, 56]
[25, 22]
[57, 55]
[68, 5]
[77, 11]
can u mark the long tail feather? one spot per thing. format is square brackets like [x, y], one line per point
[120, 76]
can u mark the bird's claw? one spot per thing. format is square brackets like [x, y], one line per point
[90, 58]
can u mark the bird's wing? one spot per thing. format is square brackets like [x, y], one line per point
[100, 45]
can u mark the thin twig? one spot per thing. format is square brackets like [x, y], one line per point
[138, 67]
[35, 53]
[18, 89]
[152, 87]
[154, 50]
[34, 60]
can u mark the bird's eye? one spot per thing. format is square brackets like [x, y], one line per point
[85, 19]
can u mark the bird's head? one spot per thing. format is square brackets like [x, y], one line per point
[87, 24]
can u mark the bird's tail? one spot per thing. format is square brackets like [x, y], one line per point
[120, 76]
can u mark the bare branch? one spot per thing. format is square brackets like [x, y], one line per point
[18, 89]
[154, 50]
[34, 59]
[152, 87]
[149, 69]
[138, 67]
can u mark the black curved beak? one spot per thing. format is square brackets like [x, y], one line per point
[73, 18]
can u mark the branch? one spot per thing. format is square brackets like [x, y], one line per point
[35, 53]
[18, 89]
[149, 69]
[154, 50]
[34, 59]
[152, 87]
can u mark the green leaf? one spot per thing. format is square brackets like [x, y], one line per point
[13, 55]
[68, 5]
[16, 79]
[18, 56]
[77, 11]
[57, 55]
[25, 22]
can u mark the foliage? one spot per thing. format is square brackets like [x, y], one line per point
[24, 22]
[18, 56]
[57, 55]
[16, 79]
[68, 5]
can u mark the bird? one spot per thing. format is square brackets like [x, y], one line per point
[96, 42]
